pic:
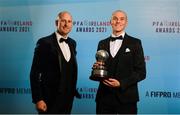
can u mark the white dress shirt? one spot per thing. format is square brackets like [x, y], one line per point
[64, 47]
[115, 45]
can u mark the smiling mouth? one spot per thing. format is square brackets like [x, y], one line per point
[65, 28]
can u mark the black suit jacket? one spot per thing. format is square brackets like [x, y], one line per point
[130, 69]
[46, 69]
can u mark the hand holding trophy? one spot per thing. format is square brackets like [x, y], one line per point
[99, 71]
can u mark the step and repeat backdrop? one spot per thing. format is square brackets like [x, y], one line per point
[155, 22]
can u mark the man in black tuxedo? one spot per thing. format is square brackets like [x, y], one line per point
[118, 94]
[53, 75]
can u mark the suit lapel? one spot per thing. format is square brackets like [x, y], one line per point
[72, 49]
[124, 44]
[121, 49]
[57, 50]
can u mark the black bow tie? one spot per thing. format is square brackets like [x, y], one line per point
[116, 38]
[63, 40]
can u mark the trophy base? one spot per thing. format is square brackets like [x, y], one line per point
[97, 77]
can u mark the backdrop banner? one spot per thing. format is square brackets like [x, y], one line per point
[155, 22]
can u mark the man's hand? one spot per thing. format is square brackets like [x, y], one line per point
[111, 82]
[98, 64]
[41, 106]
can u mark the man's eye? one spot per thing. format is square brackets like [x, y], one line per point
[115, 19]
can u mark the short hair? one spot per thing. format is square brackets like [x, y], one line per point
[61, 13]
[120, 11]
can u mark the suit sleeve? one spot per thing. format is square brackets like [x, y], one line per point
[36, 73]
[101, 45]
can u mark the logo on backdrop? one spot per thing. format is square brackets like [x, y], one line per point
[166, 26]
[87, 92]
[91, 25]
[162, 94]
[13, 90]
[15, 25]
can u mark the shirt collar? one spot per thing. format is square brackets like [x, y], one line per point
[122, 34]
[59, 36]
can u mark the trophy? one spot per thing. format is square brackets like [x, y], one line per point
[100, 72]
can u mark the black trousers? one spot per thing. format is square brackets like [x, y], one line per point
[116, 108]
[60, 105]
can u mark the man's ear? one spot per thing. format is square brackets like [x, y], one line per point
[126, 23]
[56, 22]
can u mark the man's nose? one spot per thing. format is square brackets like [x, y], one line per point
[118, 20]
[66, 23]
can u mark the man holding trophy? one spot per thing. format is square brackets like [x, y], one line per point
[119, 67]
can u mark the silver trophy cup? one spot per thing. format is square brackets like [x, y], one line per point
[100, 72]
